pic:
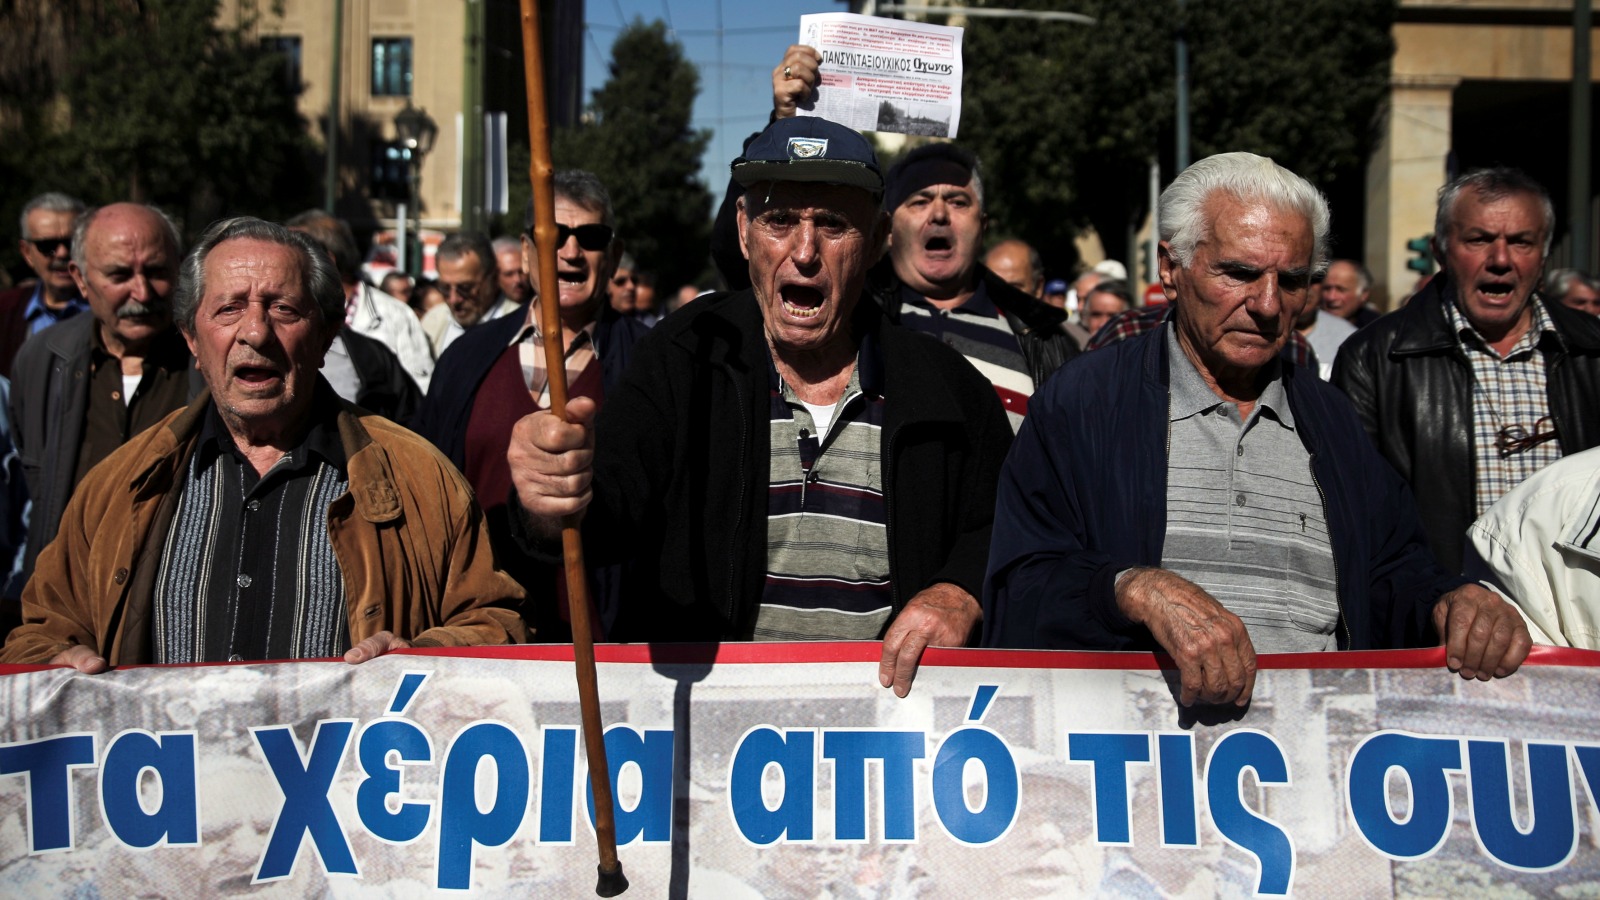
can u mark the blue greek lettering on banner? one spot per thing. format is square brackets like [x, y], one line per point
[1002, 794]
[557, 777]
[172, 757]
[463, 824]
[1175, 762]
[385, 748]
[1238, 751]
[1425, 764]
[792, 753]
[1552, 836]
[650, 753]
[1108, 754]
[850, 751]
[304, 780]
[46, 766]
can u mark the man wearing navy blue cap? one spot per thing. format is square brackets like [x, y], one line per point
[782, 463]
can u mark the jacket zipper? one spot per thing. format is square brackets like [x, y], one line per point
[738, 522]
[1338, 598]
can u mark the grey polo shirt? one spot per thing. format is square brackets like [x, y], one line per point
[1245, 520]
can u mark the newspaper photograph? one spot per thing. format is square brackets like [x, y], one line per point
[886, 74]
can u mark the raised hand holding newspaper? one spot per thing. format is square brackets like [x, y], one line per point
[886, 74]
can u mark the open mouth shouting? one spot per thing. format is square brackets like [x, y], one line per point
[801, 301]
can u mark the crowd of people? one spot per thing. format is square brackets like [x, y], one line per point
[883, 430]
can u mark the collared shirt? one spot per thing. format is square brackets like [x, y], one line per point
[827, 524]
[247, 569]
[453, 329]
[979, 331]
[41, 316]
[120, 408]
[1245, 519]
[1507, 392]
[580, 354]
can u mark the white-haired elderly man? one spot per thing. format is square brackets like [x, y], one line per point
[268, 519]
[1250, 514]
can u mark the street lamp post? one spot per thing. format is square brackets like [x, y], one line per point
[416, 131]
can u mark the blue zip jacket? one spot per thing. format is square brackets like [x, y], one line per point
[1083, 496]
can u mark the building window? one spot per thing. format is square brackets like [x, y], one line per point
[391, 67]
[288, 47]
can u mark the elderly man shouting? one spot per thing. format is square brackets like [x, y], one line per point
[782, 463]
[268, 519]
[1250, 512]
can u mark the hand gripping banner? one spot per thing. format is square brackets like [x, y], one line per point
[785, 771]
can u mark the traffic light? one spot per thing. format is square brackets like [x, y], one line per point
[1421, 261]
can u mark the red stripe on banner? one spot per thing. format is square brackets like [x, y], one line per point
[952, 657]
[1012, 401]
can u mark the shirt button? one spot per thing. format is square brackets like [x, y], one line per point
[1239, 499]
[253, 505]
[120, 576]
[116, 395]
[1241, 451]
[244, 580]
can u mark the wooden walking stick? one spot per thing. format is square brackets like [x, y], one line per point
[542, 173]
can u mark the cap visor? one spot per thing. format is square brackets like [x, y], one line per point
[819, 171]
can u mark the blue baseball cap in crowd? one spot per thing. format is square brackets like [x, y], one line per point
[1055, 287]
[810, 148]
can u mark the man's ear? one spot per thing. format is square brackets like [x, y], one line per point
[77, 279]
[1169, 271]
[744, 226]
[530, 262]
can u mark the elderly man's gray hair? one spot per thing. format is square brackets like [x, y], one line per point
[321, 278]
[1490, 184]
[505, 243]
[1246, 177]
[80, 233]
[50, 201]
[1560, 282]
[580, 187]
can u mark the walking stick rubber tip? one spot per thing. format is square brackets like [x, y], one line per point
[611, 883]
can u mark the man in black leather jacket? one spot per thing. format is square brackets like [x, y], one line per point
[1477, 381]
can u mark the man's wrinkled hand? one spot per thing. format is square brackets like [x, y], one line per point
[794, 79]
[1216, 661]
[81, 658]
[1484, 636]
[374, 647]
[552, 461]
[941, 616]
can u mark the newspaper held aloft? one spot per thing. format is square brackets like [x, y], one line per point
[885, 74]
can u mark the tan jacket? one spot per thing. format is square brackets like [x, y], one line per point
[408, 535]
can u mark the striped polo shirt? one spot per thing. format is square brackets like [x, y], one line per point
[1245, 519]
[979, 331]
[827, 524]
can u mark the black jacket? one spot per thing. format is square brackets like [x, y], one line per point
[1412, 385]
[1038, 326]
[385, 388]
[682, 465]
[1083, 496]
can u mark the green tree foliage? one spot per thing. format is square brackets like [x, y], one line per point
[1067, 117]
[164, 103]
[638, 141]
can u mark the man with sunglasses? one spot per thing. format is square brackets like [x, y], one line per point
[1478, 382]
[495, 374]
[783, 462]
[469, 277]
[46, 246]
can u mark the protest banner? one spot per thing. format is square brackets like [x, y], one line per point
[885, 74]
[784, 770]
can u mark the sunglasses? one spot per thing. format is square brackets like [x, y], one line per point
[1514, 439]
[49, 246]
[590, 237]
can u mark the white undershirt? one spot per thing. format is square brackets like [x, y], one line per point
[821, 417]
[130, 383]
